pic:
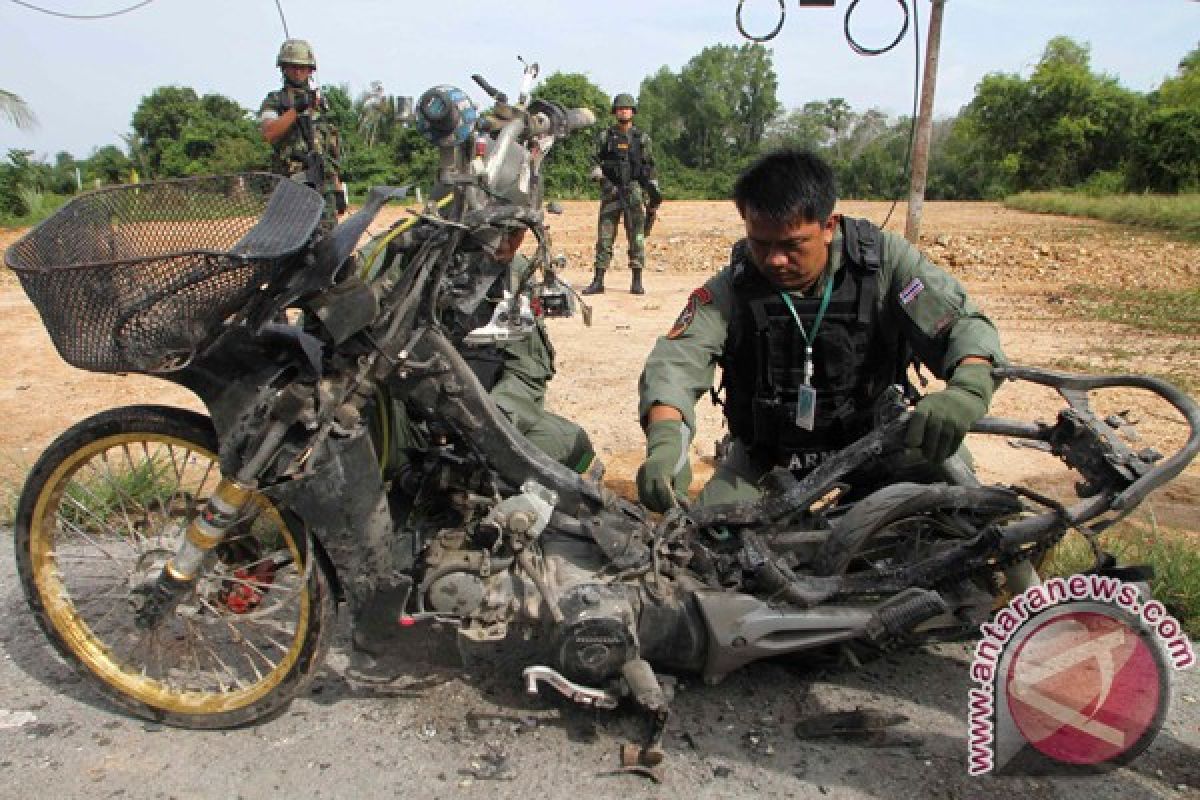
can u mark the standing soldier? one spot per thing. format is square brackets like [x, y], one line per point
[294, 121]
[625, 168]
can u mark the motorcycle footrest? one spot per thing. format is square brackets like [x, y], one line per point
[905, 613]
[583, 695]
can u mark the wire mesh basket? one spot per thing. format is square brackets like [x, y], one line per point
[137, 278]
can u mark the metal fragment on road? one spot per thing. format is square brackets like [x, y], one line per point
[15, 719]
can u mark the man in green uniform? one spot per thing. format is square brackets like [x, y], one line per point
[295, 122]
[628, 191]
[515, 372]
[814, 318]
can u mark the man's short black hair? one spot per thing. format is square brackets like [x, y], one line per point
[787, 185]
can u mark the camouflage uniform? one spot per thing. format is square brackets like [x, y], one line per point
[519, 388]
[515, 374]
[626, 160]
[289, 155]
[912, 308]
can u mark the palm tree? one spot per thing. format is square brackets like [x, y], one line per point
[15, 109]
[376, 114]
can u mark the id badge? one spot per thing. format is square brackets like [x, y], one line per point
[806, 408]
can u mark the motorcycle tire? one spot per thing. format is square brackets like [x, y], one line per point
[907, 522]
[102, 510]
[886, 529]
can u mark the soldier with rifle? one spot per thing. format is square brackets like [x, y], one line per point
[629, 191]
[295, 122]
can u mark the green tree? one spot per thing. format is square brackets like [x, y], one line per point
[21, 179]
[869, 157]
[1060, 126]
[109, 164]
[717, 111]
[180, 134]
[1166, 150]
[660, 110]
[62, 174]
[160, 120]
[799, 127]
[568, 164]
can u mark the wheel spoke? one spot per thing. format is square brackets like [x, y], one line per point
[115, 514]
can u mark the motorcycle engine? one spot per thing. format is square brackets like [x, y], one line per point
[596, 636]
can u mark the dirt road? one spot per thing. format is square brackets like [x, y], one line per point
[476, 735]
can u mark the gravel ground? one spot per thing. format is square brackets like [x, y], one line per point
[473, 733]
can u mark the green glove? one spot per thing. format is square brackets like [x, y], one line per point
[942, 419]
[666, 472]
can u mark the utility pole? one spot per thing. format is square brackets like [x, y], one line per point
[924, 122]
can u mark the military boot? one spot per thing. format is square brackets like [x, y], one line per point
[597, 284]
[636, 286]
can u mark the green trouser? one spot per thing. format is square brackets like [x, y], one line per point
[329, 217]
[520, 392]
[737, 476]
[612, 211]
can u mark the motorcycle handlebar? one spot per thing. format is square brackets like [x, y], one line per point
[1185, 405]
[560, 124]
[492, 91]
[579, 118]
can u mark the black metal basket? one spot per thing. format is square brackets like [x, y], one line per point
[136, 278]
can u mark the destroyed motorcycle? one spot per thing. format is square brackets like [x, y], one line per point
[192, 564]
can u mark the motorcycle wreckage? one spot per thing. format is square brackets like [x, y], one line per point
[191, 565]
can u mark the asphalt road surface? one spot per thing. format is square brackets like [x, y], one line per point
[466, 734]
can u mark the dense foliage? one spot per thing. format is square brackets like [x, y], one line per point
[1064, 126]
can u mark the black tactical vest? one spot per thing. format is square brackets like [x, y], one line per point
[621, 156]
[854, 360]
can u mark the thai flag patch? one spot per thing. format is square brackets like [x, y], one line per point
[909, 293]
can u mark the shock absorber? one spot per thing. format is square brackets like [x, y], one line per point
[154, 599]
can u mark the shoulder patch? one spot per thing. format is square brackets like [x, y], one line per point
[910, 292]
[697, 298]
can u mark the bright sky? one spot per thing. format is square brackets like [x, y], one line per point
[83, 79]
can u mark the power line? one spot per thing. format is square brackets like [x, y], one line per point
[53, 13]
[283, 19]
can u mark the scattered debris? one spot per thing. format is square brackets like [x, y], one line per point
[864, 727]
[15, 719]
[491, 766]
[653, 773]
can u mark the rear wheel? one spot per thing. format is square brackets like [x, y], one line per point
[904, 524]
[907, 522]
[102, 511]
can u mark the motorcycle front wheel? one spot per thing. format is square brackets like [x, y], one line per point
[102, 510]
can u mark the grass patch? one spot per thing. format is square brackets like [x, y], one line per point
[1173, 312]
[1172, 554]
[102, 497]
[1176, 213]
[1162, 310]
[1182, 378]
[46, 205]
[9, 492]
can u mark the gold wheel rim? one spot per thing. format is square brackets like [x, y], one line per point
[189, 658]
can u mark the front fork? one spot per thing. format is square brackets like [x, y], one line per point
[159, 596]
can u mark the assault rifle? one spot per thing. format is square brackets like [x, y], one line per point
[314, 161]
[654, 197]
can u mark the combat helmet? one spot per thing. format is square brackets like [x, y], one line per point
[624, 100]
[296, 52]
